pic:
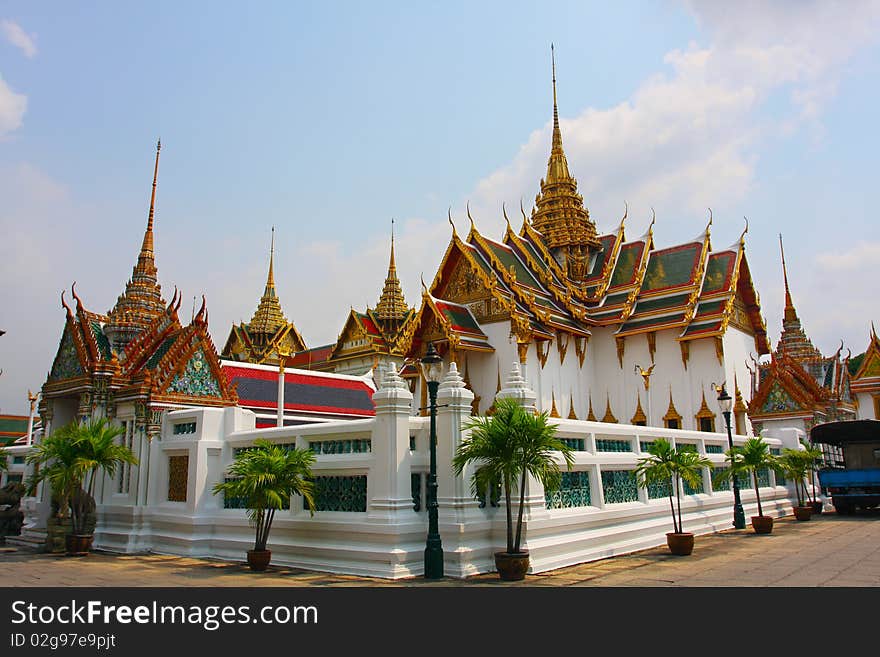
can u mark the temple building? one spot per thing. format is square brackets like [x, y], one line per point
[136, 361]
[368, 340]
[268, 337]
[865, 382]
[799, 387]
[257, 352]
[603, 326]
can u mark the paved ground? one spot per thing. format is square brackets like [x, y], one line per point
[829, 550]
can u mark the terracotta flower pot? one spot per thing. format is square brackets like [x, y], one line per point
[762, 524]
[680, 543]
[803, 512]
[512, 567]
[259, 559]
[78, 545]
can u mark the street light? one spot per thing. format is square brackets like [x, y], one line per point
[432, 369]
[726, 402]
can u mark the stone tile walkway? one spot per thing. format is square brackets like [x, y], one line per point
[829, 550]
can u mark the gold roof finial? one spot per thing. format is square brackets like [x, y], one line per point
[270, 281]
[268, 317]
[790, 313]
[147, 246]
[392, 304]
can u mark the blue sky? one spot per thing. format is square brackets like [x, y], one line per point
[328, 119]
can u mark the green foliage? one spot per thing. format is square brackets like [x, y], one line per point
[71, 459]
[507, 447]
[748, 459]
[796, 464]
[669, 465]
[266, 477]
[4, 459]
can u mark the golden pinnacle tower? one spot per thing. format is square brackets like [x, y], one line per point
[268, 336]
[391, 311]
[559, 213]
[793, 341]
[268, 317]
[141, 302]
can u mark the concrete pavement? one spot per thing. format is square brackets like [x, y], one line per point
[828, 550]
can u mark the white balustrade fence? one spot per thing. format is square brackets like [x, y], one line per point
[370, 480]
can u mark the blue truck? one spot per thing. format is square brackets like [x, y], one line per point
[851, 474]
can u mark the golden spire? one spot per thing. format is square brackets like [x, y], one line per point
[559, 213]
[147, 246]
[557, 167]
[790, 314]
[793, 341]
[268, 317]
[142, 299]
[553, 411]
[270, 281]
[392, 306]
[571, 414]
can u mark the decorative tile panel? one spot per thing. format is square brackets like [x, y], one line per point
[340, 493]
[577, 444]
[658, 489]
[605, 445]
[619, 486]
[66, 365]
[778, 400]
[196, 380]
[356, 446]
[714, 449]
[721, 485]
[183, 428]
[573, 492]
[178, 474]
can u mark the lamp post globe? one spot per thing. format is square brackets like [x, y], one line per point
[725, 402]
[432, 370]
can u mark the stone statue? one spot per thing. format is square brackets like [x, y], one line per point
[11, 516]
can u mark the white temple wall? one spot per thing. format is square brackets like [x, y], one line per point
[739, 346]
[604, 373]
[385, 536]
[867, 409]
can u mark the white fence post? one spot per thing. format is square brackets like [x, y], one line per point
[390, 494]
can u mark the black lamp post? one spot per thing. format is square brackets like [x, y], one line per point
[725, 402]
[432, 369]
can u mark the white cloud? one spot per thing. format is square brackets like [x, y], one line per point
[19, 38]
[863, 255]
[690, 137]
[12, 108]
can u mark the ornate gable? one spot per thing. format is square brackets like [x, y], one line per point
[778, 400]
[196, 379]
[68, 363]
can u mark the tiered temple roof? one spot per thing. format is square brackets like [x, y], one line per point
[268, 337]
[141, 302]
[139, 351]
[799, 381]
[559, 276]
[366, 336]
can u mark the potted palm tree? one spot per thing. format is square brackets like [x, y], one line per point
[72, 459]
[748, 459]
[508, 446]
[266, 476]
[795, 464]
[668, 465]
[814, 456]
